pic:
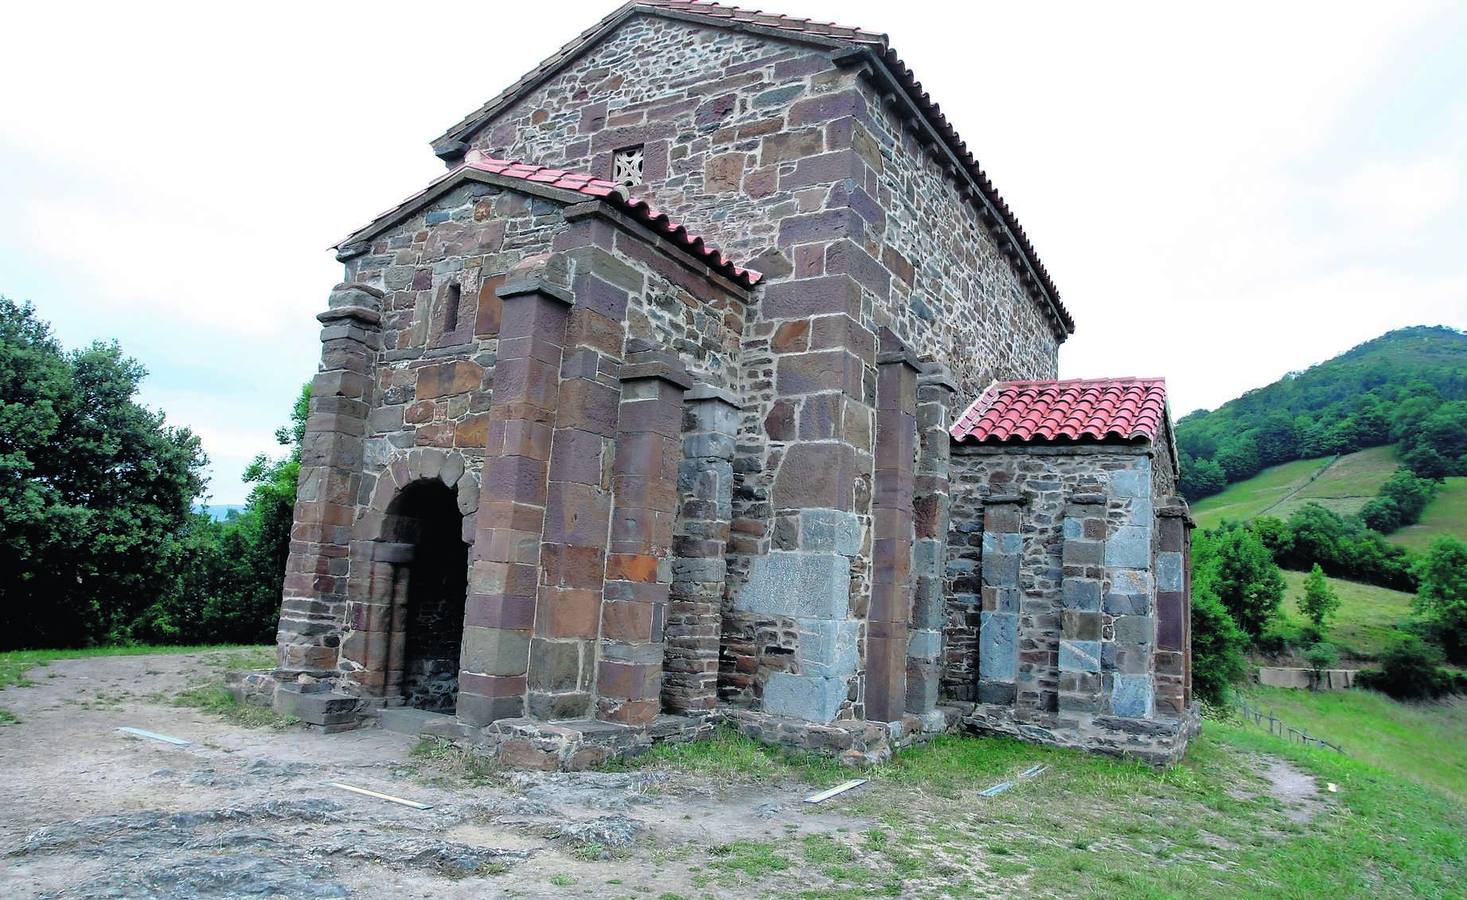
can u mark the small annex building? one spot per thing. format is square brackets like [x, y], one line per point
[712, 383]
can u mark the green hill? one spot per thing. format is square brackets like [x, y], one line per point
[1406, 387]
[1445, 514]
[1340, 483]
[1367, 621]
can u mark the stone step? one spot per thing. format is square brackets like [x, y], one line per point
[406, 720]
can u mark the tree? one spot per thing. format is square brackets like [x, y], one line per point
[1217, 641]
[94, 488]
[1319, 602]
[1238, 457]
[1320, 656]
[1243, 574]
[1201, 477]
[1442, 597]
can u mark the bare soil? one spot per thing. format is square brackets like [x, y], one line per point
[91, 812]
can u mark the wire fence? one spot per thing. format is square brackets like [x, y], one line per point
[1279, 727]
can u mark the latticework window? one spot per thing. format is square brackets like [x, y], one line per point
[626, 166]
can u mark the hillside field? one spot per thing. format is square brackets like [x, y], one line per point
[1341, 484]
[1367, 619]
[1446, 514]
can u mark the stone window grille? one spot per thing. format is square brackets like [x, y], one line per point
[626, 166]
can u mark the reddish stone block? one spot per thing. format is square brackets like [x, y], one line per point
[631, 567]
[441, 380]
[569, 613]
[627, 622]
[472, 431]
[791, 337]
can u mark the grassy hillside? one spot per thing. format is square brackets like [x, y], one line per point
[1367, 619]
[1422, 742]
[1446, 514]
[1342, 484]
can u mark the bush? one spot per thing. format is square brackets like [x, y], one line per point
[1442, 599]
[1411, 670]
[1319, 601]
[1243, 575]
[1217, 644]
[1321, 656]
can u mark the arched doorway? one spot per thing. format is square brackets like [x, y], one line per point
[428, 615]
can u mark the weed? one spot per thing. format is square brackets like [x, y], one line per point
[216, 699]
[562, 880]
[752, 858]
[8, 718]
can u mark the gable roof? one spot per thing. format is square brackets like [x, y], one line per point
[848, 46]
[555, 184]
[1097, 409]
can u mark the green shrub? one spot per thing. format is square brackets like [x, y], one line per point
[1217, 644]
[1411, 670]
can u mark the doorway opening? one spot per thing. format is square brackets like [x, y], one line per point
[430, 617]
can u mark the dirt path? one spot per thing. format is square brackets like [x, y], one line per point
[90, 812]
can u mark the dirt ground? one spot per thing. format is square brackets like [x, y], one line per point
[247, 811]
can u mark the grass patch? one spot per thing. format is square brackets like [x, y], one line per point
[1421, 742]
[8, 718]
[1246, 499]
[215, 699]
[1096, 826]
[729, 756]
[1445, 514]
[1368, 619]
[14, 664]
[442, 763]
[754, 859]
[1342, 486]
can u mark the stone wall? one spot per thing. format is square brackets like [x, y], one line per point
[1052, 613]
[794, 166]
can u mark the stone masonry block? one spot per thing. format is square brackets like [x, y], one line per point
[997, 646]
[1079, 656]
[813, 698]
[830, 529]
[828, 647]
[797, 583]
[1131, 696]
[1129, 546]
[1168, 571]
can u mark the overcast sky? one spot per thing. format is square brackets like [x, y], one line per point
[1222, 193]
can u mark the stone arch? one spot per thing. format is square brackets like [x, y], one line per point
[409, 573]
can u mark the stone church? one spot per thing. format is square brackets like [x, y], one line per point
[714, 383]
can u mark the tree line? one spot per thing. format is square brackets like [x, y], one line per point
[101, 540]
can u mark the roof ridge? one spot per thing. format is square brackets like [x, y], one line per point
[993, 209]
[571, 182]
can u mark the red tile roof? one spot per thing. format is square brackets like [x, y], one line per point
[575, 183]
[992, 207]
[1076, 410]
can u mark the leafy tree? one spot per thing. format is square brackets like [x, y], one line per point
[1200, 477]
[1320, 656]
[1427, 462]
[1381, 514]
[1442, 597]
[1217, 641]
[1411, 670]
[94, 488]
[1243, 575]
[1319, 602]
[1238, 457]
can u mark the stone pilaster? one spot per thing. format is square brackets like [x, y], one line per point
[1172, 659]
[1130, 603]
[578, 511]
[930, 508]
[638, 562]
[893, 536]
[705, 491]
[499, 615]
[1080, 684]
[313, 607]
[998, 631]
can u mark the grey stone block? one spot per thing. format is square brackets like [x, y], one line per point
[997, 646]
[798, 584]
[1129, 546]
[924, 644]
[812, 698]
[997, 692]
[1132, 483]
[1079, 656]
[1002, 542]
[1082, 594]
[828, 647]
[1131, 696]
[1001, 569]
[1169, 571]
[830, 529]
[1135, 629]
